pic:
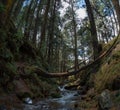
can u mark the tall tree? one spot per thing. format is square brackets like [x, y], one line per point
[37, 22]
[51, 31]
[17, 8]
[26, 31]
[7, 5]
[43, 29]
[94, 38]
[75, 33]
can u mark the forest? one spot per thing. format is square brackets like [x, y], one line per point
[59, 54]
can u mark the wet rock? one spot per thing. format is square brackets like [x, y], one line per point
[104, 101]
[3, 107]
[82, 91]
[76, 94]
[28, 100]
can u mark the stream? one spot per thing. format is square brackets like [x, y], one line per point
[68, 101]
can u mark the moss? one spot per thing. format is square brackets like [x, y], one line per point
[106, 46]
[88, 104]
[41, 87]
[108, 71]
[11, 68]
[116, 55]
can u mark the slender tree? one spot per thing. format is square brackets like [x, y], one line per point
[37, 22]
[75, 34]
[26, 31]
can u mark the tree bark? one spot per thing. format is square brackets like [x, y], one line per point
[75, 38]
[26, 33]
[117, 9]
[36, 23]
[51, 33]
[17, 8]
[94, 38]
[43, 30]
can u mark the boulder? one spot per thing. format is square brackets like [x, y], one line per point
[104, 101]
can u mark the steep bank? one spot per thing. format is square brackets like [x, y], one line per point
[107, 77]
[17, 82]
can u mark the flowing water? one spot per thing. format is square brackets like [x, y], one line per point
[68, 101]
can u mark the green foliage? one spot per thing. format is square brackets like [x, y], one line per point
[2, 8]
[19, 36]
[11, 68]
[6, 54]
[3, 36]
[116, 55]
[108, 71]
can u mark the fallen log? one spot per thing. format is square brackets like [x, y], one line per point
[46, 74]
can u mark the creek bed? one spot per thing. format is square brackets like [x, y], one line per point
[68, 101]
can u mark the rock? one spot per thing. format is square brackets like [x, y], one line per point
[82, 91]
[91, 93]
[28, 100]
[104, 101]
[116, 83]
[3, 107]
[76, 94]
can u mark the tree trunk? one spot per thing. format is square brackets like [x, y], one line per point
[75, 36]
[75, 41]
[36, 23]
[8, 4]
[17, 8]
[26, 33]
[51, 34]
[117, 9]
[43, 30]
[94, 38]
[31, 20]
